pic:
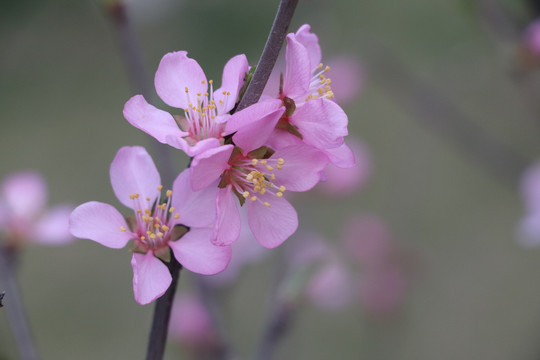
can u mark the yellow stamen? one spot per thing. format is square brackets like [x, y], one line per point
[279, 194]
[253, 198]
[282, 188]
[176, 216]
[160, 187]
[168, 193]
[171, 210]
[267, 204]
[245, 194]
[269, 168]
[254, 162]
[160, 234]
[122, 228]
[165, 228]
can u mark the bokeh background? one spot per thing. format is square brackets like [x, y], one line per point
[448, 109]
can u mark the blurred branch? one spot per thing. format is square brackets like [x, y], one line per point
[439, 114]
[137, 71]
[162, 315]
[14, 307]
[209, 298]
[270, 53]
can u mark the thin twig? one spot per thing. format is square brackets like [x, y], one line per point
[14, 307]
[162, 312]
[270, 53]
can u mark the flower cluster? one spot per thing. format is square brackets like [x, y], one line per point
[250, 158]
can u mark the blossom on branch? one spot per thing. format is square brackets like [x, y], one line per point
[182, 222]
[181, 83]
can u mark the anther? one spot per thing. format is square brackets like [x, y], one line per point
[122, 228]
[279, 194]
[280, 161]
[165, 228]
[267, 204]
[187, 90]
[147, 199]
[160, 187]
[168, 193]
[253, 198]
[327, 68]
[176, 216]
[245, 194]
[269, 168]
[152, 236]
[171, 210]
[160, 234]
[254, 162]
[211, 81]
[282, 188]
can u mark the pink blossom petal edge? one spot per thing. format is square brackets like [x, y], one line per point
[271, 226]
[133, 172]
[342, 157]
[208, 166]
[151, 277]
[153, 121]
[24, 193]
[196, 253]
[311, 43]
[254, 125]
[321, 122]
[302, 168]
[101, 223]
[232, 81]
[228, 224]
[175, 73]
[53, 227]
[196, 208]
[298, 71]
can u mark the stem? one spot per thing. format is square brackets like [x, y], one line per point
[162, 312]
[270, 53]
[14, 307]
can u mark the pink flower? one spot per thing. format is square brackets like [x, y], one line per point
[529, 227]
[259, 176]
[306, 93]
[344, 181]
[181, 83]
[330, 287]
[23, 216]
[136, 183]
[191, 323]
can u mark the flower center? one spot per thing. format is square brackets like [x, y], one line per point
[153, 227]
[254, 179]
[201, 114]
[319, 87]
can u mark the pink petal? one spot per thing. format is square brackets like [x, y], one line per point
[321, 122]
[282, 138]
[198, 148]
[302, 168]
[151, 277]
[53, 227]
[343, 182]
[228, 224]
[176, 72]
[254, 124]
[196, 252]
[157, 123]
[330, 287]
[271, 226]
[25, 194]
[133, 172]
[208, 166]
[100, 222]
[232, 81]
[342, 157]
[196, 208]
[298, 71]
[311, 43]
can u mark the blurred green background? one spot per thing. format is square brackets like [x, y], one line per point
[473, 292]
